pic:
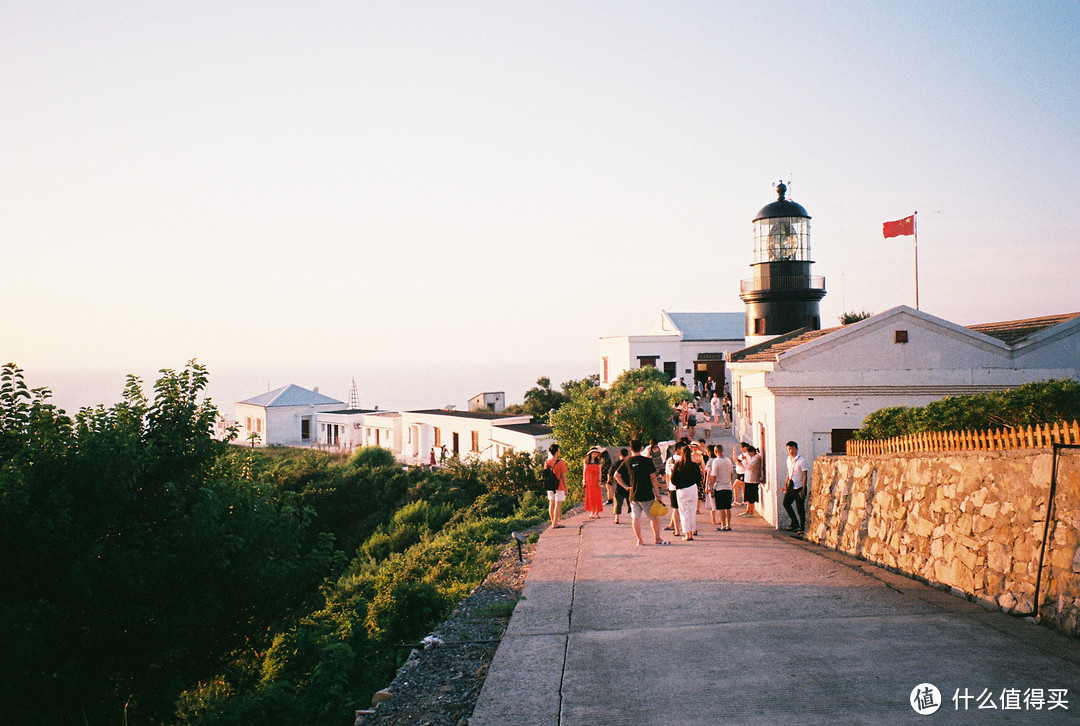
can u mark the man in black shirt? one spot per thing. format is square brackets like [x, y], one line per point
[638, 474]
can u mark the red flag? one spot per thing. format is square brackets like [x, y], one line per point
[899, 228]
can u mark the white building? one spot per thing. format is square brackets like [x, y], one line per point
[690, 346]
[283, 417]
[295, 416]
[494, 401]
[350, 429]
[816, 386]
[483, 435]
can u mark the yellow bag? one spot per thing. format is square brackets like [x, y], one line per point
[657, 509]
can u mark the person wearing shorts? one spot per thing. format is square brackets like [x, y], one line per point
[721, 480]
[558, 496]
[639, 476]
[751, 463]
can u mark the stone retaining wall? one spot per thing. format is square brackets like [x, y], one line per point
[972, 521]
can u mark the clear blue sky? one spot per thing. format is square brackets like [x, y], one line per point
[365, 183]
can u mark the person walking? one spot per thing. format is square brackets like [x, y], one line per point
[558, 495]
[605, 474]
[685, 477]
[676, 455]
[721, 480]
[590, 481]
[622, 493]
[751, 462]
[795, 489]
[639, 475]
[701, 457]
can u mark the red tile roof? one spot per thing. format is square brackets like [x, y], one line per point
[1013, 331]
[770, 349]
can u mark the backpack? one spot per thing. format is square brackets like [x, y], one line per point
[551, 479]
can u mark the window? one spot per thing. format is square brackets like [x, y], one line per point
[438, 436]
[476, 441]
[258, 425]
[647, 361]
[605, 363]
[305, 429]
[759, 326]
[901, 336]
[249, 423]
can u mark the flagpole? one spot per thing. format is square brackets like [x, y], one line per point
[915, 229]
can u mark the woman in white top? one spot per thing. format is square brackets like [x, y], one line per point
[720, 482]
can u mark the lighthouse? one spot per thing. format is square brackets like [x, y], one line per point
[782, 296]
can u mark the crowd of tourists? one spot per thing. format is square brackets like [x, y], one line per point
[647, 483]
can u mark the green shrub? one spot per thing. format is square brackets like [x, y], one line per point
[372, 457]
[1028, 405]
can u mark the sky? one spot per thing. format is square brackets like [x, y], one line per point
[441, 197]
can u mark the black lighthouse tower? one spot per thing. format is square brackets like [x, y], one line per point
[782, 296]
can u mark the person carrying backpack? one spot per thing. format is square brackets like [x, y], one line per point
[555, 482]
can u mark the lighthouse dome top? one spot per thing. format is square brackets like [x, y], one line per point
[782, 207]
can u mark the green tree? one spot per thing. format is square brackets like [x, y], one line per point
[848, 318]
[637, 405]
[135, 554]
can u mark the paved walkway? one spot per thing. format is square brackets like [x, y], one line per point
[754, 627]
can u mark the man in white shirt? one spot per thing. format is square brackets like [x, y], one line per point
[795, 488]
[721, 477]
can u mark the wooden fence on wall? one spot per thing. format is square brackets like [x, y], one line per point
[1032, 437]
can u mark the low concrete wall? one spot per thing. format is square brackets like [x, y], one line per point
[973, 521]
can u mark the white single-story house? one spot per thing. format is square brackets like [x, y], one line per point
[816, 387]
[295, 416]
[690, 346]
[283, 417]
[480, 434]
[349, 429]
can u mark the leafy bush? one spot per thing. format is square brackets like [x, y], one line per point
[1027, 405]
[371, 457]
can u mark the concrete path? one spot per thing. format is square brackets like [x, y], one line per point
[755, 627]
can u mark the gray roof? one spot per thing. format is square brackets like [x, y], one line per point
[291, 395]
[710, 326]
[532, 429]
[469, 414]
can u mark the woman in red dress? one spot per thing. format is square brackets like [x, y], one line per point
[594, 499]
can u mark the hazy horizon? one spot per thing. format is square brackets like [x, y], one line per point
[329, 183]
[396, 388]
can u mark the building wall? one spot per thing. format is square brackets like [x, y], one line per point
[971, 521]
[251, 419]
[504, 440]
[622, 353]
[419, 432]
